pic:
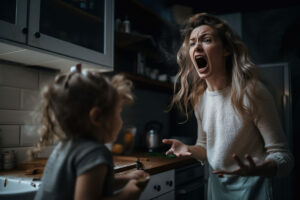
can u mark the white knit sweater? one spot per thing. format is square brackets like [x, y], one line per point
[222, 133]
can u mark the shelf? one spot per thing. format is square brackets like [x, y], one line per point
[142, 81]
[123, 40]
[67, 8]
[142, 18]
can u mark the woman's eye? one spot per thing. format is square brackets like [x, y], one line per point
[206, 40]
[192, 44]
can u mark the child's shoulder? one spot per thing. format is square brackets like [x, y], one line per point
[87, 145]
[83, 149]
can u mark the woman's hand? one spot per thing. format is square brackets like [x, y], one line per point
[178, 148]
[266, 169]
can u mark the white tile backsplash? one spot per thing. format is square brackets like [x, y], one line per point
[18, 76]
[9, 98]
[22, 152]
[13, 117]
[29, 135]
[46, 77]
[9, 136]
[19, 94]
[29, 99]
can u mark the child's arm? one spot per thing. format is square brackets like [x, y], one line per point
[89, 186]
[122, 180]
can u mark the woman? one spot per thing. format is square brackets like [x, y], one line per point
[239, 131]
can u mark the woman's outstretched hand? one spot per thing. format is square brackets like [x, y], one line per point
[266, 168]
[177, 148]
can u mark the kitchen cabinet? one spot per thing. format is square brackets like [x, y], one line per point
[160, 186]
[138, 52]
[59, 31]
[190, 182]
[183, 183]
[13, 20]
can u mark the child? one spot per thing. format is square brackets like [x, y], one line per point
[82, 110]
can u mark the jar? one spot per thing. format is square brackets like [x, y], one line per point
[9, 160]
[126, 25]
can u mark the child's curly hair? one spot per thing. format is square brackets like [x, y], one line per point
[66, 104]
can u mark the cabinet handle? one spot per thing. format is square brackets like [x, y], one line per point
[37, 34]
[169, 183]
[25, 30]
[157, 187]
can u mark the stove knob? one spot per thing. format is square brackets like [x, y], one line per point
[157, 187]
[169, 183]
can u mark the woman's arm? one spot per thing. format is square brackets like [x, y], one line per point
[269, 126]
[279, 161]
[198, 152]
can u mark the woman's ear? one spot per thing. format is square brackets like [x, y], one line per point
[95, 116]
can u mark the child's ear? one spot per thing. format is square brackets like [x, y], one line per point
[95, 116]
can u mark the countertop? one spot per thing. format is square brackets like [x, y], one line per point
[152, 163]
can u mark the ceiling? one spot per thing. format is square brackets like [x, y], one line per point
[227, 6]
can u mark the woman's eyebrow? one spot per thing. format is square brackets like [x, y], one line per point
[201, 36]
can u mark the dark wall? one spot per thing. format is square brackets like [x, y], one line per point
[274, 36]
[149, 105]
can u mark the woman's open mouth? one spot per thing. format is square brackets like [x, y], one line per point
[201, 63]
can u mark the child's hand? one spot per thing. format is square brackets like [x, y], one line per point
[143, 181]
[131, 190]
[137, 174]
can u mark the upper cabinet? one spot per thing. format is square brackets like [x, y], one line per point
[61, 31]
[13, 20]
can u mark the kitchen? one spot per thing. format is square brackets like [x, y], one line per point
[24, 72]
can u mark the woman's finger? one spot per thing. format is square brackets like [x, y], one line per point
[238, 160]
[222, 172]
[186, 153]
[168, 141]
[170, 151]
[251, 161]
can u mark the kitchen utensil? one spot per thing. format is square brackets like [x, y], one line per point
[139, 165]
[129, 138]
[152, 129]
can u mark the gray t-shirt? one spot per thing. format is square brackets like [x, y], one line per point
[70, 160]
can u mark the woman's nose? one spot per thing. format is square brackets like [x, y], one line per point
[198, 46]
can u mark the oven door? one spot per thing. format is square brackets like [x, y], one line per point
[191, 191]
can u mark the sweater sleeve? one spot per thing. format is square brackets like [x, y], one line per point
[269, 125]
[201, 135]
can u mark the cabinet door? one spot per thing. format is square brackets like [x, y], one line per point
[80, 29]
[13, 19]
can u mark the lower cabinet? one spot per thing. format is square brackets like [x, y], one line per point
[190, 182]
[185, 183]
[161, 186]
[166, 196]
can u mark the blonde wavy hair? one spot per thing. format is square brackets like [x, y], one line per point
[66, 103]
[241, 70]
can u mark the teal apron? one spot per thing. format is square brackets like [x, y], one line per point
[232, 187]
